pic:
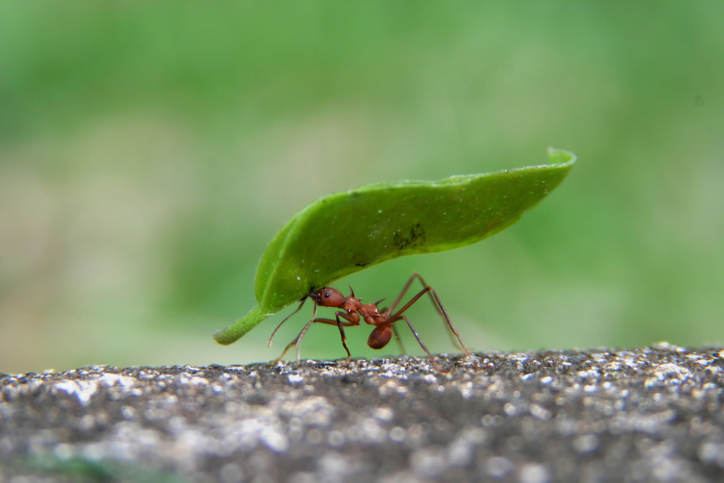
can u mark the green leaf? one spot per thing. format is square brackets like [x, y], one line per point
[382, 221]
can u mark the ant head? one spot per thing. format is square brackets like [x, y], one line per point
[327, 297]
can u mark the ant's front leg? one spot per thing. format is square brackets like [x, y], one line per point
[297, 340]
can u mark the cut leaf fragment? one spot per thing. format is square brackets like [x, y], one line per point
[382, 221]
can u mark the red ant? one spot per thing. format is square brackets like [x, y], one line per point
[353, 309]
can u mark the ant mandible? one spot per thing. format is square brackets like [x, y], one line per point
[353, 310]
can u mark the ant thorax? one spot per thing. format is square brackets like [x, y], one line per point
[371, 314]
[351, 304]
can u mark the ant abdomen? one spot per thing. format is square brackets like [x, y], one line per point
[380, 336]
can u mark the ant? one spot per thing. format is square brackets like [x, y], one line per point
[353, 310]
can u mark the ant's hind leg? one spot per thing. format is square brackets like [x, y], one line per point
[398, 339]
[425, 287]
[419, 341]
[435, 301]
[447, 319]
[404, 290]
[396, 333]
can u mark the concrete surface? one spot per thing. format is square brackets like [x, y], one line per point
[650, 414]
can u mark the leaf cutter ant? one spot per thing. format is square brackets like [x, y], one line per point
[354, 311]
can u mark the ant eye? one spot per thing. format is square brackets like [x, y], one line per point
[326, 295]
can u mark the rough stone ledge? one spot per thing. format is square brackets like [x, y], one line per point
[650, 414]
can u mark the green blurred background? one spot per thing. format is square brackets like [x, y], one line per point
[149, 151]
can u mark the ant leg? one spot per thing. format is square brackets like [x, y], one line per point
[404, 290]
[397, 338]
[419, 341]
[436, 302]
[339, 323]
[285, 319]
[297, 340]
[407, 287]
[386, 312]
[314, 319]
[449, 323]
[344, 338]
[351, 320]
[294, 342]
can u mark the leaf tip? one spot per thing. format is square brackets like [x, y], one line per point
[220, 336]
[239, 328]
[560, 156]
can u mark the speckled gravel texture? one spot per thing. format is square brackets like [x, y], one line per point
[651, 414]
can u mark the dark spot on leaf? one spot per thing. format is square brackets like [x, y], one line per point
[414, 238]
